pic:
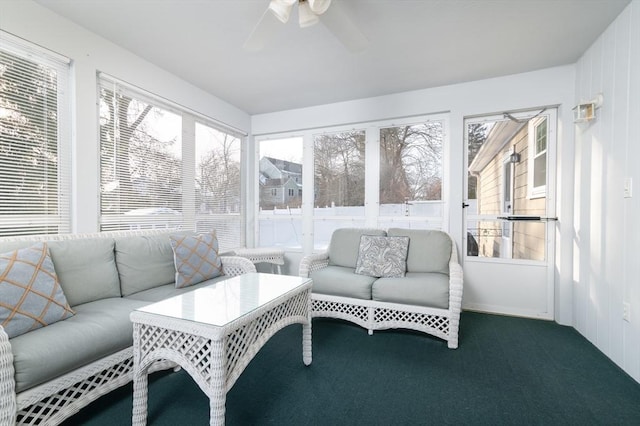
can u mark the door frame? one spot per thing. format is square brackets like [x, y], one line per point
[514, 265]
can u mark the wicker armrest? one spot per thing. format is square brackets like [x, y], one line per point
[313, 262]
[455, 287]
[236, 265]
[7, 382]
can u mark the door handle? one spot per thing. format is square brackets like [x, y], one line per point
[529, 218]
[464, 205]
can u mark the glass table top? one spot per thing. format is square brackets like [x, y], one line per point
[225, 301]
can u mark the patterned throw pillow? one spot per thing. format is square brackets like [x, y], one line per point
[30, 294]
[196, 258]
[380, 256]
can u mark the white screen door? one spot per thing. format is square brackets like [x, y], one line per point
[509, 213]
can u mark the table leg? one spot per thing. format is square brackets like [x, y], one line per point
[140, 394]
[306, 337]
[217, 395]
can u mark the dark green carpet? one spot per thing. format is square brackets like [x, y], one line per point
[506, 371]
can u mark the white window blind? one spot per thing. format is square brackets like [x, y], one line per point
[35, 144]
[140, 161]
[164, 166]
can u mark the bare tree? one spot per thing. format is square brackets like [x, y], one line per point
[28, 136]
[339, 169]
[218, 182]
[411, 163]
[144, 170]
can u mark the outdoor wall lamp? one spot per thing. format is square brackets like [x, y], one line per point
[514, 157]
[586, 111]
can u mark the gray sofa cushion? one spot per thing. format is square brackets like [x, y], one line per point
[145, 262]
[415, 288]
[98, 329]
[345, 243]
[429, 250]
[86, 269]
[342, 281]
[162, 292]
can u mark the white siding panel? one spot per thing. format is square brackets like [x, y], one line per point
[631, 337]
[606, 224]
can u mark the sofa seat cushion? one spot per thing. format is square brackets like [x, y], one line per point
[162, 292]
[98, 329]
[342, 281]
[429, 250]
[345, 243]
[429, 289]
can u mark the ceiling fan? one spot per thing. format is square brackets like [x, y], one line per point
[310, 12]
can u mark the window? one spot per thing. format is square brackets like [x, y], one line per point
[151, 178]
[35, 143]
[339, 183]
[280, 192]
[538, 167]
[377, 175]
[411, 172]
[218, 185]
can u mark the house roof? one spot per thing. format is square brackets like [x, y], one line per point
[286, 166]
[499, 135]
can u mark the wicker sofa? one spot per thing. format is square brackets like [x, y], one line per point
[428, 298]
[48, 374]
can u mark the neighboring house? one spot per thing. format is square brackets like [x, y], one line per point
[512, 185]
[280, 183]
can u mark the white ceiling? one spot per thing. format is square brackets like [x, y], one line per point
[413, 44]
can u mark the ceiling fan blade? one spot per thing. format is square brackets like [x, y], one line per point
[282, 9]
[319, 6]
[266, 29]
[337, 21]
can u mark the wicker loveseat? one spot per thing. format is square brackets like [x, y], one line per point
[428, 298]
[49, 373]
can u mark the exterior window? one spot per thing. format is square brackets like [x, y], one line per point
[35, 146]
[151, 178]
[411, 171]
[380, 175]
[280, 193]
[339, 183]
[538, 166]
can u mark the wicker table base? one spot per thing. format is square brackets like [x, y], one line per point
[214, 332]
[274, 256]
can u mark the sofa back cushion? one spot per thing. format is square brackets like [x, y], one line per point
[85, 266]
[345, 244]
[145, 261]
[86, 269]
[429, 250]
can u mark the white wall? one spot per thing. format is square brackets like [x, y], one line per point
[90, 54]
[607, 225]
[547, 87]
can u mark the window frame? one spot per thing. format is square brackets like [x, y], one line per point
[532, 131]
[371, 218]
[191, 217]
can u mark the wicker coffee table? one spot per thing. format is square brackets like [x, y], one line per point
[215, 331]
